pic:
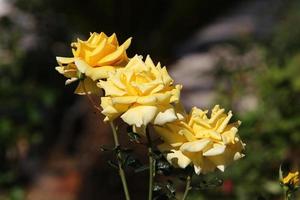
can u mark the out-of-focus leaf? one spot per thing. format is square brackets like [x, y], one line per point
[141, 169]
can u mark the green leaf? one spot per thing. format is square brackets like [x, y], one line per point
[208, 184]
[131, 161]
[141, 169]
[134, 137]
[163, 167]
[170, 187]
[112, 164]
[102, 148]
[157, 187]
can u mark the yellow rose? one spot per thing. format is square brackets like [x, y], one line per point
[206, 143]
[291, 179]
[93, 59]
[140, 93]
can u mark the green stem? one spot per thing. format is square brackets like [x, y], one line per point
[285, 195]
[151, 164]
[117, 144]
[187, 186]
[119, 159]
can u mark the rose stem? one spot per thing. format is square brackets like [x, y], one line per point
[119, 159]
[187, 186]
[117, 144]
[151, 164]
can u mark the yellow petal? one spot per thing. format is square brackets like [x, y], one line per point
[113, 39]
[215, 135]
[97, 53]
[81, 65]
[108, 109]
[111, 89]
[169, 137]
[175, 157]
[165, 76]
[176, 94]
[216, 113]
[221, 167]
[225, 122]
[149, 62]
[157, 89]
[139, 115]
[228, 136]
[97, 73]
[216, 150]
[60, 69]
[118, 80]
[197, 169]
[165, 116]
[163, 98]
[136, 64]
[110, 58]
[64, 60]
[195, 146]
[124, 100]
[146, 100]
[238, 156]
[189, 136]
[147, 87]
[127, 43]
[71, 80]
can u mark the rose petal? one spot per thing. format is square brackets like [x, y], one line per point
[139, 115]
[111, 89]
[165, 116]
[195, 146]
[64, 60]
[169, 137]
[175, 157]
[216, 150]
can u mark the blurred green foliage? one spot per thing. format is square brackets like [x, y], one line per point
[271, 130]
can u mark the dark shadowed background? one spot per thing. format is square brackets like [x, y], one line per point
[243, 55]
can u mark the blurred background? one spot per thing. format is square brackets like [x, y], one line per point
[243, 55]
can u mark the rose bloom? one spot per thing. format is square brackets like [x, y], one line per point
[205, 142]
[92, 60]
[291, 179]
[140, 93]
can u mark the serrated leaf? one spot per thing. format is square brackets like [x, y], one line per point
[112, 164]
[157, 187]
[164, 191]
[116, 149]
[171, 187]
[102, 148]
[130, 161]
[210, 184]
[162, 164]
[141, 169]
[163, 167]
[134, 137]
